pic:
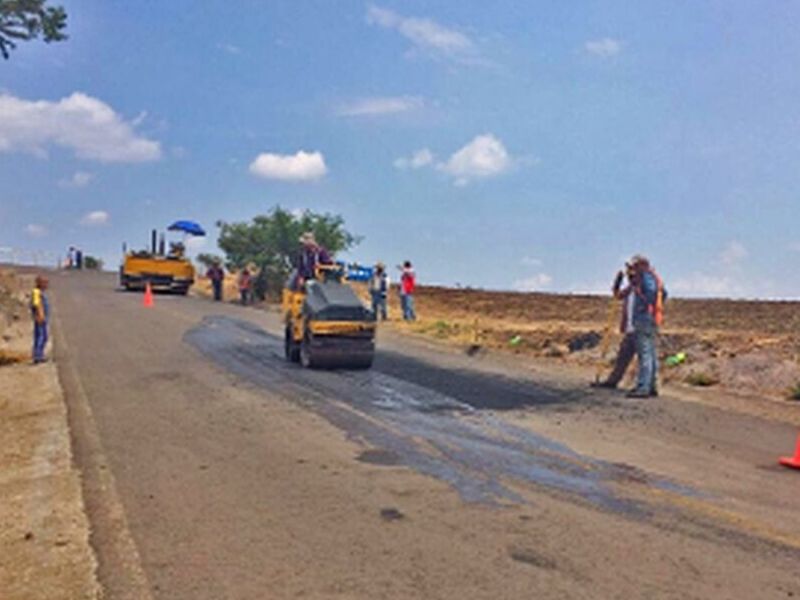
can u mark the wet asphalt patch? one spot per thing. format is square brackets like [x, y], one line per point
[439, 422]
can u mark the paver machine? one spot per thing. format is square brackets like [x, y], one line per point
[327, 325]
[163, 270]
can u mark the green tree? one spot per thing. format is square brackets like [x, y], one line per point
[23, 20]
[271, 242]
[206, 259]
[90, 262]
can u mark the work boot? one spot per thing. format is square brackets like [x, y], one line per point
[603, 384]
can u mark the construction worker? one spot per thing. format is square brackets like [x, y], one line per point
[408, 284]
[217, 276]
[311, 255]
[246, 286]
[648, 314]
[379, 290]
[40, 311]
[627, 347]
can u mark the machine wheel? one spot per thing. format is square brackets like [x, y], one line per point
[290, 347]
[305, 352]
[362, 363]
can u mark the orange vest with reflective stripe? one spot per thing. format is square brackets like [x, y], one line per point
[657, 309]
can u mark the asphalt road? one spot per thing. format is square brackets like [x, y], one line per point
[214, 469]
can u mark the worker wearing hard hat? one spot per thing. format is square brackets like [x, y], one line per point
[379, 291]
[648, 314]
[627, 347]
[311, 255]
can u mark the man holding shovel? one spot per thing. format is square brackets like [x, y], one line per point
[627, 347]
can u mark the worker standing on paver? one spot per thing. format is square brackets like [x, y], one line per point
[648, 314]
[408, 284]
[311, 255]
[217, 276]
[40, 311]
[627, 347]
[379, 291]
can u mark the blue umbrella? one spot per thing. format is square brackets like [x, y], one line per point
[189, 227]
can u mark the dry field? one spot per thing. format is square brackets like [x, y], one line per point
[747, 346]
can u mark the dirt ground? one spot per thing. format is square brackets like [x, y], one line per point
[44, 532]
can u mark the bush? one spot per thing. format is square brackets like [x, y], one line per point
[90, 262]
[794, 392]
[442, 328]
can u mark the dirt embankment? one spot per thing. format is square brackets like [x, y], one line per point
[749, 347]
[44, 532]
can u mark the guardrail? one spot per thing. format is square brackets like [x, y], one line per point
[26, 257]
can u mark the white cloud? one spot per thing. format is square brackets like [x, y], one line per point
[733, 253]
[386, 105]
[420, 158]
[139, 119]
[538, 282]
[229, 48]
[424, 34]
[484, 156]
[530, 261]
[591, 288]
[195, 243]
[726, 280]
[83, 124]
[706, 285]
[35, 230]
[302, 166]
[95, 218]
[78, 180]
[605, 47]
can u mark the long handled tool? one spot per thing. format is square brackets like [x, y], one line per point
[608, 333]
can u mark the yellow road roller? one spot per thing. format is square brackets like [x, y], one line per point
[327, 325]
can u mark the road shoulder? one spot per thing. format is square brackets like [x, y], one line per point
[44, 532]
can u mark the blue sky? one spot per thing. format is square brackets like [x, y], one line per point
[511, 144]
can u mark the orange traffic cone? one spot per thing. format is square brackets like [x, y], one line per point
[148, 296]
[792, 461]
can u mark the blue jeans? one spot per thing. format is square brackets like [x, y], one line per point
[379, 305]
[217, 287]
[39, 340]
[407, 302]
[648, 359]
